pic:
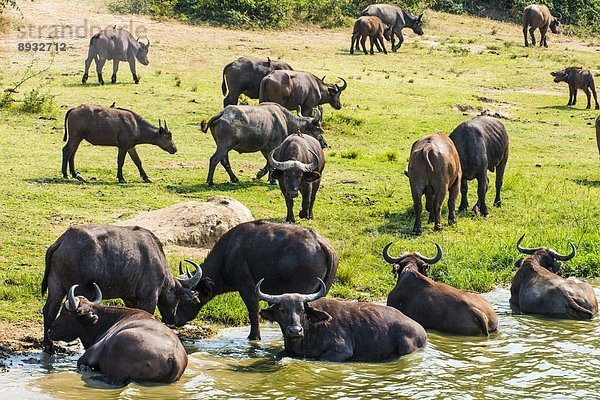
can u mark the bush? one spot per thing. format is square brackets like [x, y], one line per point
[36, 102]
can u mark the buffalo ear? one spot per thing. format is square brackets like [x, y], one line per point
[277, 174]
[332, 90]
[315, 315]
[553, 73]
[311, 176]
[519, 262]
[270, 314]
[205, 288]
[88, 316]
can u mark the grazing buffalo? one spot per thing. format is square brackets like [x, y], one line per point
[334, 330]
[482, 145]
[537, 16]
[117, 45]
[293, 89]
[122, 344]
[598, 133]
[127, 263]
[298, 163]
[433, 170]
[372, 28]
[247, 129]
[106, 126]
[539, 288]
[433, 304]
[243, 76]
[290, 257]
[577, 78]
[397, 19]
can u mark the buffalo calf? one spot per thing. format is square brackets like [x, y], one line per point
[537, 16]
[372, 28]
[577, 78]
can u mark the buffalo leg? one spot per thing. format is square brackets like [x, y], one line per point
[289, 204]
[454, 189]
[570, 96]
[113, 78]
[438, 199]
[50, 311]
[372, 42]
[251, 301]
[69, 159]
[588, 94]
[400, 41]
[120, 162]
[418, 206]
[383, 45]
[88, 62]
[499, 180]
[363, 41]
[525, 35]
[376, 40]
[532, 33]
[574, 96]
[593, 89]
[99, 65]
[482, 184]
[138, 163]
[308, 196]
[136, 79]
[543, 39]
[231, 99]
[429, 196]
[464, 200]
[227, 166]
[217, 158]
[354, 40]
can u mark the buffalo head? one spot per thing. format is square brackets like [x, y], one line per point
[165, 138]
[293, 172]
[335, 91]
[387, 33]
[182, 302]
[546, 257]
[293, 311]
[76, 316]
[559, 76]
[555, 26]
[142, 52]
[414, 260]
[417, 24]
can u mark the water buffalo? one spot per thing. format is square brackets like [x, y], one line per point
[243, 76]
[433, 170]
[117, 45]
[577, 78]
[482, 145]
[247, 129]
[298, 163]
[106, 126]
[334, 330]
[122, 344]
[372, 28]
[598, 133]
[290, 257]
[436, 305]
[539, 288]
[538, 16]
[298, 88]
[126, 262]
[397, 19]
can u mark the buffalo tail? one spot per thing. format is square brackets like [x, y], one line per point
[49, 254]
[223, 84]
[66, 117]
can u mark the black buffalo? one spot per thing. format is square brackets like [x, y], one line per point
[248, 129]
[243, 76]
[334, 330]
[482, 145]
[127, 263]
[122, 344]
[298, 164]
[397, 19]
[293, 89]
[290, 257]
[539, 288]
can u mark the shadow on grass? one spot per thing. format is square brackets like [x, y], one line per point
[90, 181]
[564, 108]
[587, 182]
[95, 84]
[219, 187]
[399, 224]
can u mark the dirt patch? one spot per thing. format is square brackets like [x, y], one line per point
[466, 109]
[19, 337]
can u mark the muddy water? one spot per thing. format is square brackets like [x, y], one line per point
[531, 358]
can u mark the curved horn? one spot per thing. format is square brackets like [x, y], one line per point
[269, 298]
[72, 302]
[323, 78]
[390, 259]
[192, 281]
[313, 166]
[159, 124]
[563, 257]
[299, 110]
[433, 260]
[315, 296]
[560, 16]
[318, 114]
[147, 42]
[98, 298]
[344, 86]
[269, 60]
[166, 127]
[283, 166]
[525, 250]
[180, 268]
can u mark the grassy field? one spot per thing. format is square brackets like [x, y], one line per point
[552, 182]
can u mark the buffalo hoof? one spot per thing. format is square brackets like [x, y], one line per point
[137, 81]
[417, 231]
[303, 214]
[290, 220]
[451, 221]
[79, 178]
[273, 182]
[498, 203]
[261, 172]
[49, 348]
[84, 79]
[122, 180]
[236, 180]
[113, 79]
[147, 180]
[437, 227]
[597, 107]
[84, 368]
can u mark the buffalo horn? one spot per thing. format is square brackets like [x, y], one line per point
[269, 298]
[98, 298]
[159, 124]
[344, 86]
[166, 127]
[147, 42]
[315, 296]
[318, 114]
[433, 260]
[299, 110]
[323, 78]
[560, 257]
[390, 259]
[287, 165]
[187, 270]
[525, 250]
[193, 280]
[72, 302]
[313, 166]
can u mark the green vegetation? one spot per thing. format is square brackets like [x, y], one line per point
[552, 183]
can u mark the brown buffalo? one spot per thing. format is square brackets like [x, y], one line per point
[538, 16]
[372, 28]
[436, 305]
[577, 78]
[434, 169]
[539, 288]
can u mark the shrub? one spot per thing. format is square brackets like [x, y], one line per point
[36, 102]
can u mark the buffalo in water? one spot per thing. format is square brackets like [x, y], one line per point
[293, 89]
[372, 28]
[334, 330]
[127, 263]
[433, 170]
[577, 78]
[121, 344]
[538, 16]
[482, 145]
[539, 288]
[117, 45]
[290, 257]
[397, 19]
[436, 305]
[243, 76]
[107, 126]
[248, 129]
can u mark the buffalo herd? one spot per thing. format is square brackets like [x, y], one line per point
[288, 266]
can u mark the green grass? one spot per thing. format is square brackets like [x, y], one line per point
[552, 182]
